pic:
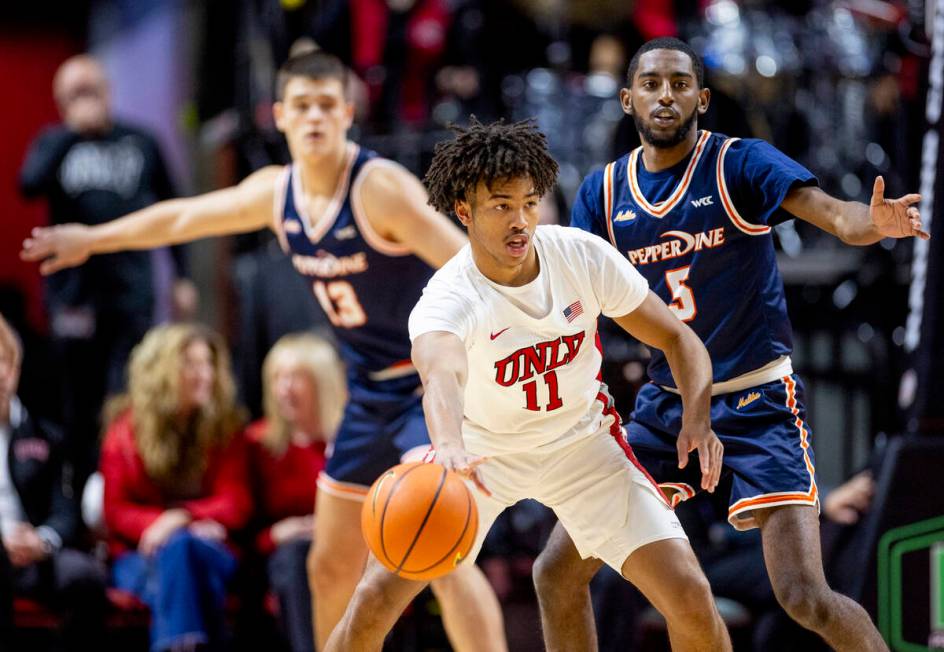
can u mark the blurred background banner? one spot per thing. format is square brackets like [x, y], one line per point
[923, 385]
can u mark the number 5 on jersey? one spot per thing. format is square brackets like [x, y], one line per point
[683, 301]
[339, 301]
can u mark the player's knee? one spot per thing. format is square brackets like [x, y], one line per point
[690, 602]
[327, 570]
[555, 576]
[807, 604]
[311, 564]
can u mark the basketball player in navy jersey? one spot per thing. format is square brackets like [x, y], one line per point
[693, 212]
[359, 228]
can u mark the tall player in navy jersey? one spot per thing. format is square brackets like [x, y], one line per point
[359, 228]
[693, 212]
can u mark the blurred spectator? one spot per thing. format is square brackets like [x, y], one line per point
[176, 483]
[408, 52]
[39, 519]
[92, 169]
[304, 396]
[273, 300]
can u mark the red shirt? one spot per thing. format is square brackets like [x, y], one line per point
[285, 486]
[133, 500]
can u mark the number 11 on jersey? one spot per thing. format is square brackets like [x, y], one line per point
[553, 395]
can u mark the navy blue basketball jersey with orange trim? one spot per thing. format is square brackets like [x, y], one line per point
[700, 232]
[366, 285]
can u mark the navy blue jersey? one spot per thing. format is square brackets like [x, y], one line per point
[700, 232]
[366, 285]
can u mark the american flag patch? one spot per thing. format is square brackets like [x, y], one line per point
[573, 311]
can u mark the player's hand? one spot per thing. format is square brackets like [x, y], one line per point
[58, 247]
[895, 218]
[710, 453]
[455, 458]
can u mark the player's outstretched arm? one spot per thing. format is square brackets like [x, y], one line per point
[396, 205]
[440, 359]
[654, 324]
[853, 222]
[242, 208]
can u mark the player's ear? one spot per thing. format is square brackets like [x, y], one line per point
[626, 100]
[704, 98]
[463, 211]
[349, 112]
[278, 114]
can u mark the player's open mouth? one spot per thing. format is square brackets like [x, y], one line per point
[517, 246]
[664, 119]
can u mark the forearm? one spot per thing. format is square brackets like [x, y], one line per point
[443, 403]
[163, 223]
[847, 220]
[691, 368]
[853, 224]
[128, 520]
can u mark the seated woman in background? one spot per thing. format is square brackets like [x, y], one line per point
[176, 483]
[303, 395]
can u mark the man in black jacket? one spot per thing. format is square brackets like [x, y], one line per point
[39, 518]
[92, 169]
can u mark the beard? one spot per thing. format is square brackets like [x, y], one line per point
[668, 140]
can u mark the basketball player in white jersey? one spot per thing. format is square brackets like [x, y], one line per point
[504, 338]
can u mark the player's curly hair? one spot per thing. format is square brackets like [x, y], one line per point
[488, 153]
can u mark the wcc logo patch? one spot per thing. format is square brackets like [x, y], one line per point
[703, 201]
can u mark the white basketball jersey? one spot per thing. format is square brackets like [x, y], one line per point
[533, 379]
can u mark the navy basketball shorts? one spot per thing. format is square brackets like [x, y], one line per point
[373, 436]
[766, 441]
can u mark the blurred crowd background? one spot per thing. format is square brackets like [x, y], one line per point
[841, 87]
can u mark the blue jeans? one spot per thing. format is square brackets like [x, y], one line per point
[289, 581]
[184, 584]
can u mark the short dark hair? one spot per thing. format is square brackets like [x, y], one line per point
[313, 64]
[488, 153]
[667, 43]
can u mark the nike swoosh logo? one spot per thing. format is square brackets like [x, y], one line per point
[494, 335]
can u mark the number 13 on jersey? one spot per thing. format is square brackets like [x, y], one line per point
[339, 301]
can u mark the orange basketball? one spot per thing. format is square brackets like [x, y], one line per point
[419, 520]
